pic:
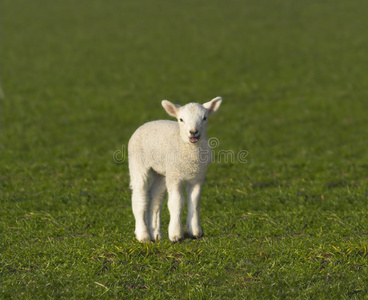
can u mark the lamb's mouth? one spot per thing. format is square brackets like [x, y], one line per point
[194, 139]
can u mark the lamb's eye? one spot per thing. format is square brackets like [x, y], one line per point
[205, 118]
[181, 120]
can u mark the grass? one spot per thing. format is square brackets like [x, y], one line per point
[80, 76]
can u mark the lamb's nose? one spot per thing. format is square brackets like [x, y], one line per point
[193, 132]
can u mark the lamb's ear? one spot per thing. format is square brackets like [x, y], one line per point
[213, 105]
[171, 108]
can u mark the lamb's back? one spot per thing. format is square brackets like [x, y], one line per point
[151, 143]
[157, 135]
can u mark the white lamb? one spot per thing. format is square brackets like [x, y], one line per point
[171, 153]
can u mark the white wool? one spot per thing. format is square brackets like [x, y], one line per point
[170, 154]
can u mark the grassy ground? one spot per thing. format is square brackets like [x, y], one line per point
[80, 76]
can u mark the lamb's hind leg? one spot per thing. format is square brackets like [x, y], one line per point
[156, 194]
[140, 203]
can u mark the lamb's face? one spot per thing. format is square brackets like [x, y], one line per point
[192, 120]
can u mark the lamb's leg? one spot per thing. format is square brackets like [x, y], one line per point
[156, 194]
[176, 204]
[194, 228]
[140, 203]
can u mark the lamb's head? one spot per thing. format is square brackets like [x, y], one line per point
[192, 118]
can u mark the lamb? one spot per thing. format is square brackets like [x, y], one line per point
[170, 153]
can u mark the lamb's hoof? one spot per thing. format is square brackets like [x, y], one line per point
[195, 234]
[157, 237]
[176, 239]
[143, 238]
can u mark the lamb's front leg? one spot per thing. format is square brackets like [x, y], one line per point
[194, 228]
[176, 204]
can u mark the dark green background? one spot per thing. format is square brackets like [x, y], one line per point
[80, 76]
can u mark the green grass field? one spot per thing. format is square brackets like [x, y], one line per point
[80, 76]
